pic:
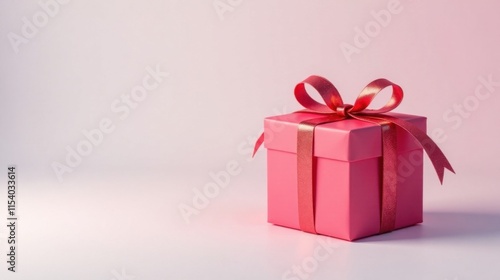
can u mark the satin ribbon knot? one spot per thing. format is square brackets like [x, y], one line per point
[343, 111]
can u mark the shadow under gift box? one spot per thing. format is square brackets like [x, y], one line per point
[348, 176]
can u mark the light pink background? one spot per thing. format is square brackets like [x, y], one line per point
[119, 208]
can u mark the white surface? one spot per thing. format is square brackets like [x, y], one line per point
[100, 230]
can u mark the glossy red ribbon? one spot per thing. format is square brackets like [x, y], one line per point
[333, 110]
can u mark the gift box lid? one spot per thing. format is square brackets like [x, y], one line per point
[346, 140]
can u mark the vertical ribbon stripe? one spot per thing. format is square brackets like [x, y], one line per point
[389, 178]
[306, 170]
[305, 176]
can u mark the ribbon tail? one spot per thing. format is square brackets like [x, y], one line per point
[258, 143]
[437, 157]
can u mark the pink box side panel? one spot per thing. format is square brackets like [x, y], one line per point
[364, 177]
[332, 197]
[410, 189]
[282, 201]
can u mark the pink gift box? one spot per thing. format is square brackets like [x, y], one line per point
[348, 180]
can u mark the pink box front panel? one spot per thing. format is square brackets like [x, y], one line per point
[347, 195]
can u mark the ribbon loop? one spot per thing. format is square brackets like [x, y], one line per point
[371, 90]
[327, 90]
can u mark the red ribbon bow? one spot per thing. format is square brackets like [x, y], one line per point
[333, 110]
